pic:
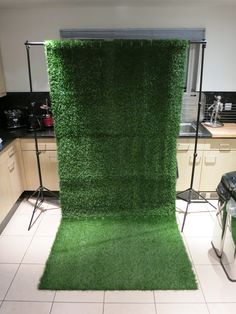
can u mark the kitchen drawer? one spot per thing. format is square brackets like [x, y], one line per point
[187, 144]
[12, 149]
[221, 144]
[43, 144]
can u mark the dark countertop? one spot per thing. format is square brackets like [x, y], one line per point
[8, 136]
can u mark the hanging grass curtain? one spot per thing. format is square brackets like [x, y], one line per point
[116, 107]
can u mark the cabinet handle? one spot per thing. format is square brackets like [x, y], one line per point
[11, 167]
[183, 147]
[210, 160]
[11, 152]
[224, 146]
[198, 159]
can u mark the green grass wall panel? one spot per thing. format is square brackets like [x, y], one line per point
[116, 107]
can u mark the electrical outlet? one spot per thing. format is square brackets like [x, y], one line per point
[228, 106]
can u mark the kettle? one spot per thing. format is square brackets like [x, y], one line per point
[47, 118]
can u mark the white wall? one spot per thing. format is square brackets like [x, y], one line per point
[19, 25]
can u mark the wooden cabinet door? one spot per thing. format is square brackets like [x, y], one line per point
[30, 170]
[215, 164]
[14, 171]
[49, 170]
[185, 162]
[48, 164]
[5, 189]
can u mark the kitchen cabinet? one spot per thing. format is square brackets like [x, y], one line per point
[2, 80]
[219, 158]
[185, 149]
[5, 189]
[215, 157]
[15, 170]
[11, 184]
[48, 163]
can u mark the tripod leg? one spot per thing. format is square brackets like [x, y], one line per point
[34, 210]
[185, 215]
[207, 201]
[50, 192]
[33, 194]
[42, 195]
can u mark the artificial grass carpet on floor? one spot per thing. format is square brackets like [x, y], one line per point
[116, 107]
[118, 254]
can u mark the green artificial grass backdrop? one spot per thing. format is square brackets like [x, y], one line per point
[116, 107]
[118, 254]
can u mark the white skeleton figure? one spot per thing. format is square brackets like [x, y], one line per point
[216, 107]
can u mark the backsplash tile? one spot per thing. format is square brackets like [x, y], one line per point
[22, 101]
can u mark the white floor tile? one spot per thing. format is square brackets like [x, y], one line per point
[48, 226]
[75, 308]
[52, 206]
[197, 225]
[129, 297]
[195, 296]
[213, 216]
[215, 285]
[213, 202]
[7, 273]
[129, 309]
[15, 241]
[38, 250]
[222, 308]
[24, 286]
[18, 225]
[179, 203]
[25, 208]
[201, 251]
[80, 296]
[193, 207]
[186, 247]
[9, 307]
[13, 248]
[182, 308]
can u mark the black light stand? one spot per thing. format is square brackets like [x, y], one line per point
[190, 195]
[39, 193]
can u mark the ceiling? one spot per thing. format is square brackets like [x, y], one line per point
[9, 4]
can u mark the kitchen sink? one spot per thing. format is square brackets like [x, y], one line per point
[189, 129]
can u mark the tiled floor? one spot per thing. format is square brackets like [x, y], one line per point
[23, 255]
